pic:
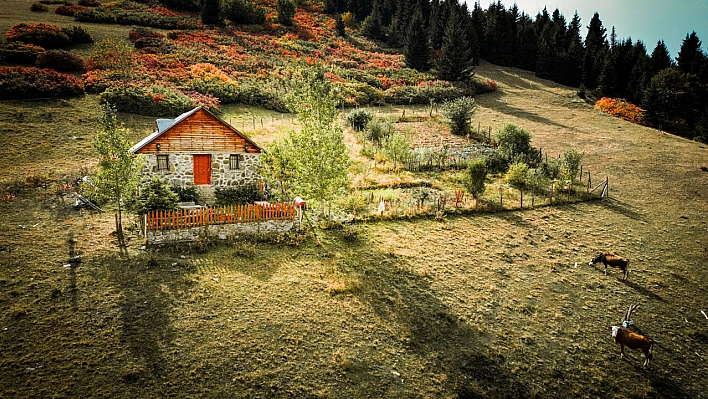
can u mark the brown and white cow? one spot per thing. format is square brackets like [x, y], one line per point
[613, 260]
[633, 341]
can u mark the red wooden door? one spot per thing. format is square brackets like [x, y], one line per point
[202, 169]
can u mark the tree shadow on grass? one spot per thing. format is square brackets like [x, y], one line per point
[623, 208]
[146, 325]
[642, 290]
[426, 326]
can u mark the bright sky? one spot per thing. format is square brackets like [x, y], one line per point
[645, 20]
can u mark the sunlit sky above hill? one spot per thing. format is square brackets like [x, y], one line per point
[645, 20]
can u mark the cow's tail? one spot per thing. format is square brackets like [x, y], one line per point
[651, 350]
[626, 270]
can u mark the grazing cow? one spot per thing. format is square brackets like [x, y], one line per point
[633, 341]
[612, 260]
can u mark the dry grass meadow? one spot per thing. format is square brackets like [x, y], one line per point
[497, 305]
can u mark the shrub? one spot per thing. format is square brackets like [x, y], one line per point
[154, 196]
[550, 169]
[423, 94]
[26, 83]
[570, 164]
[187, 193]
[61, 60]
[43, 35]
[621, 109]
[458, 112]
[475, 179]
[239, 195]
[69, 11]
[100, 15]
[359, 118]
[152, 100]
[496, 162]
[142, 32]
[396, 147]
[378, 129]
[20, 53]
[484, 86]
[226, 92]
[244, 12]
[77, 34]
[514, 140]
[38, 7]
[518, 176]
[89, 3]
[286, 11]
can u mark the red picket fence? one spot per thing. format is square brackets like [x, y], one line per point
[183, 218]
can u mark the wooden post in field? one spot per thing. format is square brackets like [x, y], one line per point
[553, 185]
[581, 172]
[501, 204]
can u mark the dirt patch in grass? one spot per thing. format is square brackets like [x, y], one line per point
[495, 306]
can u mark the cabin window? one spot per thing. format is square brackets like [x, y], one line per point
[235, 161]
[163, 162]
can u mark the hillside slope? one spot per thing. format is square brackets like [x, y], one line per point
[481, 306]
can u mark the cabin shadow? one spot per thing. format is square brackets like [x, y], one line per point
[426, 326]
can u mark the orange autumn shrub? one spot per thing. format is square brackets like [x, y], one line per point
[621, 109]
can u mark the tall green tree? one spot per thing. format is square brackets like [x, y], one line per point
[210, 12]
[596, 48]
[371, 27]
[660, 58]
[416, 49]
[119, 170]
[286, 10]
[317, 161]
[456, 62]
[690, 57]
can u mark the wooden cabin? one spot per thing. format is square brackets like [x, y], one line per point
[198, 148]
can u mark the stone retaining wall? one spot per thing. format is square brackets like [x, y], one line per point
[221, 231]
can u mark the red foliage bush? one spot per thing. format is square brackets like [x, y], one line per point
[25, 83]
[140, 32]
[621, 109]
[69, 11]
[61, 60]
[43, 35]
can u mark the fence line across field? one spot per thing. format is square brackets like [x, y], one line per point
[184, 218]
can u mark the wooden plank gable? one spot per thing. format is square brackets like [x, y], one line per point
[200, 132]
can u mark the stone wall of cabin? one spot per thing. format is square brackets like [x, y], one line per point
[181, 171]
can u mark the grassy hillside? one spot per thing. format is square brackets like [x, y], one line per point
[496, 306]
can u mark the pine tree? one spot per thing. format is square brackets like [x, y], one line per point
[660, 58]
[286, 10]
[640, 75]
[596, 48]
[371, 27]
[416, 48]
[607, 82]
[455, 62]
[339, 26]
[210, 12]
[690, 57]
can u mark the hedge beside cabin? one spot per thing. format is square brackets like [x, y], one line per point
[198, 148]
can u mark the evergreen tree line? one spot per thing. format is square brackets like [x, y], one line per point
[449, 37]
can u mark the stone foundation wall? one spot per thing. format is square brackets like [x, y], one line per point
[181, 171]
[221, 231]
